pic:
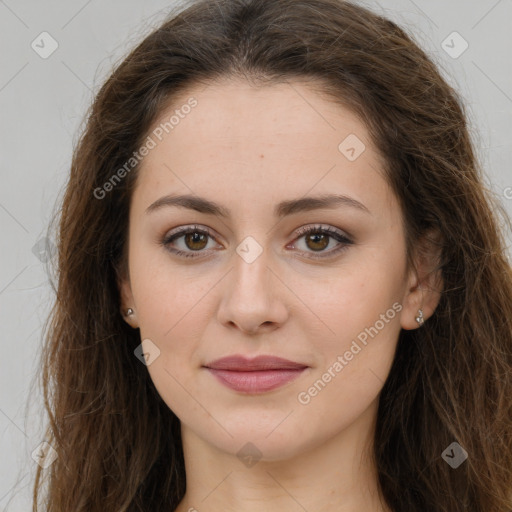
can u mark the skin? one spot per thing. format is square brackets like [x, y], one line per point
[249, 148]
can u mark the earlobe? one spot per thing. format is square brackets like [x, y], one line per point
[425, 284]
[420, 318]
[126, 300]
[414, 312]
[130, 318]
[419, 306]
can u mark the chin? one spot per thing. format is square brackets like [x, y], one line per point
[262, 440]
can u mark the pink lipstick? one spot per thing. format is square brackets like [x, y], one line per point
[257, 375]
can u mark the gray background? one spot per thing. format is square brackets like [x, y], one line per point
[42, 104]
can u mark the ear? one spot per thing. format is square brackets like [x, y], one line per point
[126, 298]
[425, 281]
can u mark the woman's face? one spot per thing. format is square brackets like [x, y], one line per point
[257, 284]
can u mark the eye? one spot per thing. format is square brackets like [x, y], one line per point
[194, 241]
[318, 239]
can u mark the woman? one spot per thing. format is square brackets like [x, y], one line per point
[282, 284]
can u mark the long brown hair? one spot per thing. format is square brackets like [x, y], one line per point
[118, 443]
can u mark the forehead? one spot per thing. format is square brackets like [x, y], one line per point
[234, 111]
[279, 140]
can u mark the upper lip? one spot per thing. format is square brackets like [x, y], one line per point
[241, 363]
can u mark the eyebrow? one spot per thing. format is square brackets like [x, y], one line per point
[283, 209]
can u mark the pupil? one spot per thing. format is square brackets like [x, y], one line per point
[318, 238]
[194, 238]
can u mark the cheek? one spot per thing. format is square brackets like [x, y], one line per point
[168, 296]
[350, 298]
[174, 312]
[354, 365]
[360, 310]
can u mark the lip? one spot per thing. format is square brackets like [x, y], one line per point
[256, 375]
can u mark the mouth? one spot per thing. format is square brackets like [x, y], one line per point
[257, 375]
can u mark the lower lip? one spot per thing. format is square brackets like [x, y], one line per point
[255, 381]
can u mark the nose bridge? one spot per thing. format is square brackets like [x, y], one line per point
[251, 275]
[251, 297]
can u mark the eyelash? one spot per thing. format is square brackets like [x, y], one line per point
[337, 235]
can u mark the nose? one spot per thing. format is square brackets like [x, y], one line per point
[252, 297]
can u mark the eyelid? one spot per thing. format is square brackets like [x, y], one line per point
[190, 228]
[304, 230]
[182, 231]
[343, 238]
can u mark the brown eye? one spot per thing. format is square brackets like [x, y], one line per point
[192, 241]
[189, 240]
[195, 240]
[317, 239]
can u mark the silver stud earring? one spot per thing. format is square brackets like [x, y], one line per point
[419, 318]
[129, 312]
